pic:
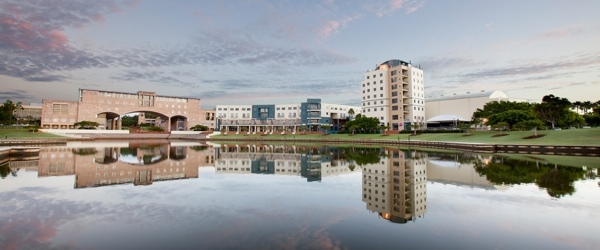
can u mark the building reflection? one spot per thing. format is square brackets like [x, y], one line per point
[396, 187]
[140, 164]
[311, 163]
[458, 169]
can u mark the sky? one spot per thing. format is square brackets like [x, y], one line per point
[280, 51]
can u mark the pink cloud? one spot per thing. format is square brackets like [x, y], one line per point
[333, 26]
[384, 9]
[561, 32]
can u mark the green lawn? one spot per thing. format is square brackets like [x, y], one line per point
[577, 137]
[13, 133]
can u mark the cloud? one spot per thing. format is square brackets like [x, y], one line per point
[433, 64]
[156, 76]
[332, 27]
[14, 95]
[523, 69]
[32, 40]
[560, 33]
[381, 8]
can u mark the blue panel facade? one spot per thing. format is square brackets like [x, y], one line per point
[263, 111]
[310, 110]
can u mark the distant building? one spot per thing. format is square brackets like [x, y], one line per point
[28, 113]
[394, 93]
[446, 111]
[283, 117]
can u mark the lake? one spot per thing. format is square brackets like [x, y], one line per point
[187, 195]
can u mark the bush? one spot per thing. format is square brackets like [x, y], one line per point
[155, 129]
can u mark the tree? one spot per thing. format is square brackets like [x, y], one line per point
[7, 111]
[586, 106]
[500, 126]
[129, 121]
[362, 123]
[325, 127]
[576, 105]
[351, 112]
[592, 119]
[497, 107]
[511, 117]
[530, 125]
[552, 109]
[570, 119]
[465, 126]
[414, 127]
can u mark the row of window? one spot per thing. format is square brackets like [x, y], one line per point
[375, 75]
[57, 120]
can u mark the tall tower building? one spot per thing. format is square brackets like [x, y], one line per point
[394, 93]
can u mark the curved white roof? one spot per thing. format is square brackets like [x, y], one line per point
[447, 118]
[493, 95]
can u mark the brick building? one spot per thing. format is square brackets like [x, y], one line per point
[107, 107]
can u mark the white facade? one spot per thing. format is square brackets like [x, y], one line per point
[394, 93]
[234, 111]
[287, 111]
[461, 105]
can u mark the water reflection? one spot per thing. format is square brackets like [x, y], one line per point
[274, 196]
[140, 164]
[385, 171]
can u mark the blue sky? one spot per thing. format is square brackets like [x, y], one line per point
[253, 52]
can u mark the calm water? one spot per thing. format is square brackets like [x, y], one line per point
[120, 195]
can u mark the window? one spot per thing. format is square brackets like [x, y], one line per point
[395, 100]
[60, 109]
[394, 107]
[394, 117]
[146, 100]
[380, 88]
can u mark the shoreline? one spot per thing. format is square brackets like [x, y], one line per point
[543, 149]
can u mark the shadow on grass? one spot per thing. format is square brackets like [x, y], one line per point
[534, 136]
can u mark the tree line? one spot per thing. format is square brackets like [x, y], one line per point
[553, 112]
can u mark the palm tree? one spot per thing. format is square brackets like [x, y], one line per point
[576, 105]
[587, 105]
[351, 112]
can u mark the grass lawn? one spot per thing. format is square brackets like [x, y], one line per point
[20, 133]
[575, 161]
[573, 137]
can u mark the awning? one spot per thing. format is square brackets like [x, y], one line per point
[447, 118]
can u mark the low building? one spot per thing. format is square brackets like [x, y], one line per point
[28, 114]
[269, 118]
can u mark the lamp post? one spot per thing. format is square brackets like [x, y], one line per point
[454, 122]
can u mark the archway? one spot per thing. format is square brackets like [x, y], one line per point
[179, 123]
[108, 121]
[144, 118]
